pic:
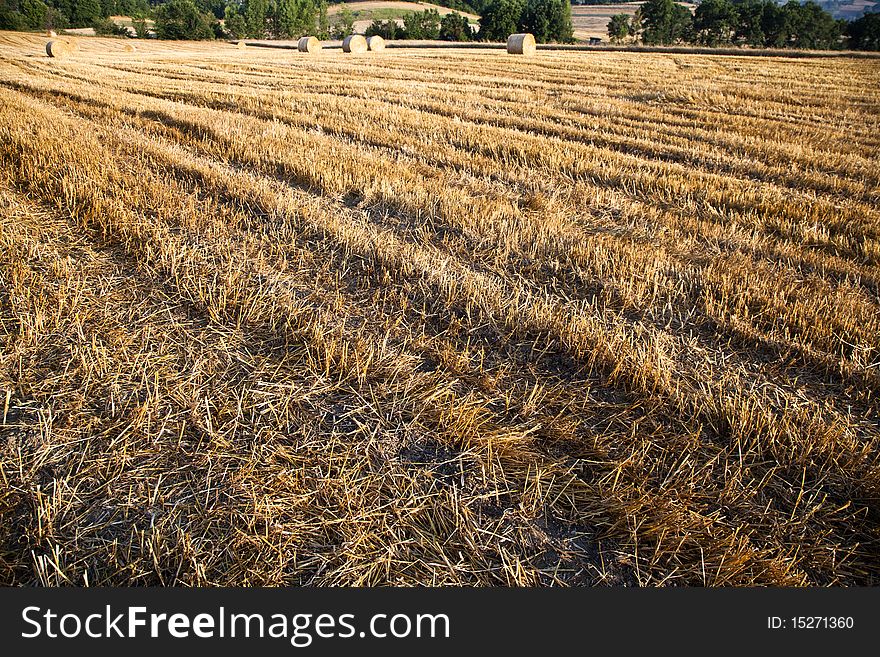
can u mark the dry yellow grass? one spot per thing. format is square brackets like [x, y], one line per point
[437, 317]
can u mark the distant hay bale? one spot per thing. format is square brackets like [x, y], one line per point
[308, 44]
[241, 45]
[376, 43]
[51, 33]
[354, 43]
[57, 49]
[521, 44]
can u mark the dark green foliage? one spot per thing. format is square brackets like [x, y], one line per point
[455, 27]
[810, 26]
[217, 8]
[864, 34]
[323, 21]
[547, 20]
[422, 25]
[290, 19]
[106, 27]
[500, 19]
[715, 22]
[139, 23]
[664, 22]
[344, 24]
[619, 27]
[234, 22]
[85, 12]
[10, 17]
[386, 29]
[749, 26]
[181, 19]
[33, 13]
[256, 15]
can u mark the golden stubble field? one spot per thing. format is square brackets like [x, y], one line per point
[437, 317]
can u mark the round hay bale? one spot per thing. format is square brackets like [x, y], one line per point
[376, 43]
[51, 33]
[308, 44]
[57, 49]
[354, 43]
[241, 45]
[521, 44]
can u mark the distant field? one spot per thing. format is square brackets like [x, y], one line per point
[437, 317]
[365, 13]
[592, 20]
[381, 9]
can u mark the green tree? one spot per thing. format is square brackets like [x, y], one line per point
[864, 33]
[217, 8]
[323, 21]
[547, 20]
[292, 18]
[109, 8]
[422, 25]
[139, 23]
[774, 25]
[235, 23]
[106, 27]
[500, 19]
[810, 26]
[133, 7]
[344, 24]
[618, 27]
[33, 13]
[715, 22]
[256, 14]
[664, 22]
[748, 25]
[181, 19]
[455, 27]
[10, 19]
[385, 29]
[84, 12]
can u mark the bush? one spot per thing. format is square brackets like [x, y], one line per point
[386, 29]
[547, 20]
[34, 13]
[344, 25]
[500, 19]
[455, 27]
[715, 22]
[235, 24]
[106, 27]
[422, 25]
[181, 19]
[864, 34]
[10, 19]
[664, 22]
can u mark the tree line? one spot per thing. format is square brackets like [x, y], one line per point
[756, 23]
[58, 14]
[548, 20]
[175, 19]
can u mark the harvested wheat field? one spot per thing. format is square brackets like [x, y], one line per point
[437, 317]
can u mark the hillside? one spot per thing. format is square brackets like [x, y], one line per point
[366, 12]
[592, 20]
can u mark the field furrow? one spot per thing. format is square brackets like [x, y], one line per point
[445, 319]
